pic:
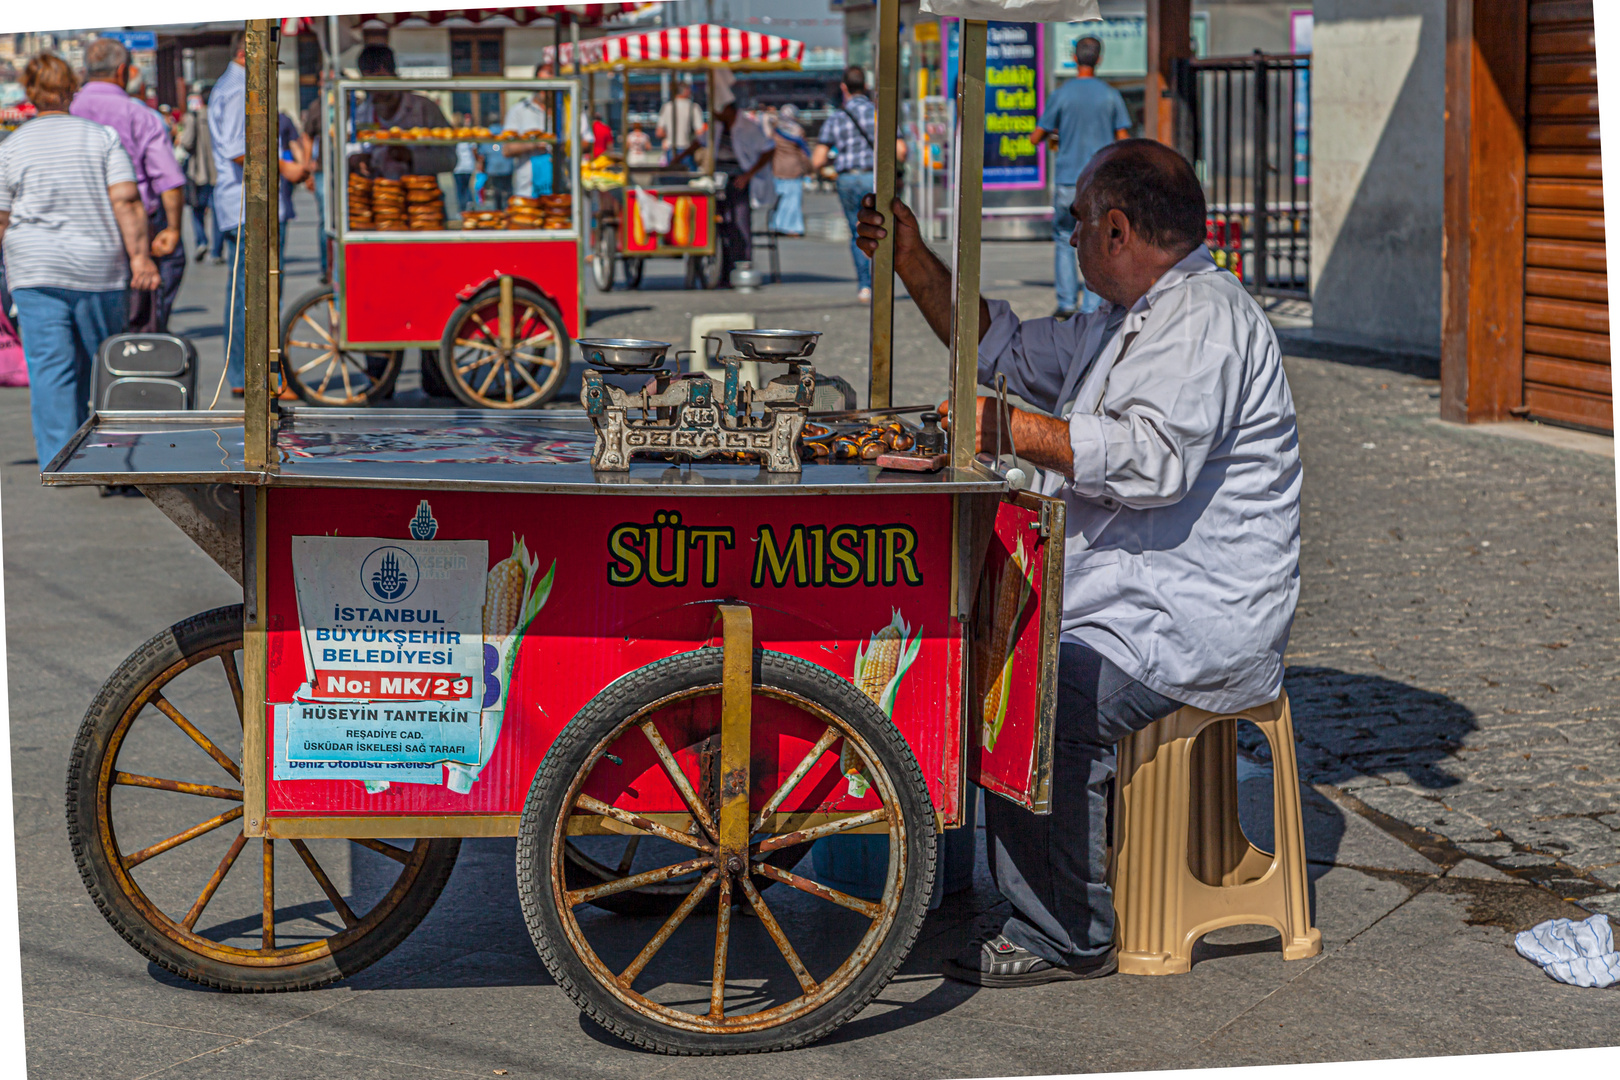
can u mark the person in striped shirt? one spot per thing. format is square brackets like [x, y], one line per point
[74, 236]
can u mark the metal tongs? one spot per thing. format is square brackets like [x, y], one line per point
[1011, 471]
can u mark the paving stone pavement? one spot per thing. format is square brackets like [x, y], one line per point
[1420, 671]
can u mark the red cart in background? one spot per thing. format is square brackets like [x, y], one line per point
[621, 237]
[494, 299]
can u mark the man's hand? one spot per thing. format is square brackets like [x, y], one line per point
[740, 181]
[165, 241]
[143, 273]
[870, 228]
[926, 278]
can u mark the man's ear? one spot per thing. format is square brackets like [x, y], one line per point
[1119, 231]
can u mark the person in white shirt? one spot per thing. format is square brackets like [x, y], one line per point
[532, 175]
[680, 122]
[1168, 430]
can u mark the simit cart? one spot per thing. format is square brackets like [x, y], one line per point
[631, 636]
[493, 297]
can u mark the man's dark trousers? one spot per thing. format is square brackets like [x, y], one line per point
[1054, 867]
[149, 309]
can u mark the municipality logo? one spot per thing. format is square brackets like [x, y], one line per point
[389, 574]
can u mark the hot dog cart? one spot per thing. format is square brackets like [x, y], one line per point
[630, 635]
[621, 233]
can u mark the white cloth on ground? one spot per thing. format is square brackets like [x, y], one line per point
[1578, 953]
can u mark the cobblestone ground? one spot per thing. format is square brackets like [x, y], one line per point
[1454, 656]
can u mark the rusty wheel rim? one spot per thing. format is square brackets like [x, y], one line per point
[312, 358]
[182, 930]
[725, 880]
[498, 377]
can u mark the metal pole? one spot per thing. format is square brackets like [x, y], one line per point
[260, 177]
[968, 216]
[881, 383]
[1260, 181]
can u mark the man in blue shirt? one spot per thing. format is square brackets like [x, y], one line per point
[227, 126]
[1084, 115]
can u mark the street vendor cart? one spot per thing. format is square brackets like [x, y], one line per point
[493, 297]
[630, 635]
[623, 196]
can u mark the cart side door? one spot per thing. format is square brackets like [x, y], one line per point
[1013, 652]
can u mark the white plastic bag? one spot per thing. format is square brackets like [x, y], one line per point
[657, 216]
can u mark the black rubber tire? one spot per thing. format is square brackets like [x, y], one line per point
[633, 269]
[548, 388]
[382, 367]
[604, 255]
[575, 750]
[703, 271]
[196, 635]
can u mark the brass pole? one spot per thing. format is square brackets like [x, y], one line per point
[969, 182]
[880, 385]
[260, 195]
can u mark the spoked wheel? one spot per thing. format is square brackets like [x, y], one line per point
[632, 272]
[703, 271]
[486, 371]
[733, 980]
[318, 370]
[603, 258]
[197, 897]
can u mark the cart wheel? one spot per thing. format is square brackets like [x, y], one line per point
[164, 879]
[703, 271]
[632, 272]
[323, 374]
[606, 253]
[738, 986]
[484, 375]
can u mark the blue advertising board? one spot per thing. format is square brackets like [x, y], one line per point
[1014, 91]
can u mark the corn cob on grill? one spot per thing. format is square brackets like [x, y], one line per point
[882, 660]
[503, 597]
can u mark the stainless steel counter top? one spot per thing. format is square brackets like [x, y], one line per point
[535, 451]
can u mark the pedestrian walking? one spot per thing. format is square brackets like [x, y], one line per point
[468, 165]
[848, 137]
[317, 183]
[1084, 115]
[680, 123]
[532, 161]
[743, 153]
[145, 137]
[789, 165]
[74, 237]
[498, 169]
[293, 154]
[227, 127]
[198, 147]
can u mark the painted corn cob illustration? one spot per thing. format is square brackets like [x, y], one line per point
[880, 665]
[513, 596]
[1011, 596]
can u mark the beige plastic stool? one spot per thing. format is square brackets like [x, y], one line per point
[1182, 866]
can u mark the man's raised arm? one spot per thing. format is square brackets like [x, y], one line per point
[926, 278]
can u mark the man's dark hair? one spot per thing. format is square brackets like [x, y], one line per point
[238, 42]
[1087, 51]
[1153, 186]
[376, 60]
[855, 79]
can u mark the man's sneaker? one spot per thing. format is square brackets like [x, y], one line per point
[996, 961]
[864, 296]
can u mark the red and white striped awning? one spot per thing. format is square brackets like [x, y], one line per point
[497, 18]
[702, 46]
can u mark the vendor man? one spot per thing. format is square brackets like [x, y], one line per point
[1168, 430]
